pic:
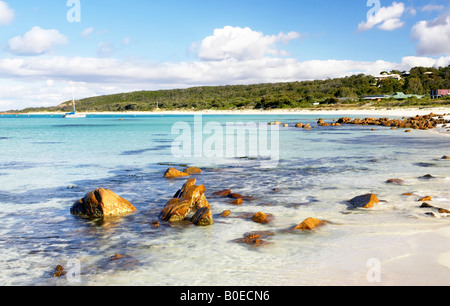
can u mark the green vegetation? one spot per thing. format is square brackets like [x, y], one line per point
[340, 92]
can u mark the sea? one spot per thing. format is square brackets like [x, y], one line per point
[48, 162]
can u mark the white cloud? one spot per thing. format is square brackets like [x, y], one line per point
[432, 7]
[6, 13]
[433, 37]
[387, 18]
[100, 76]
[241, 44]
[105, 49]
[86, 32]
[36, 41]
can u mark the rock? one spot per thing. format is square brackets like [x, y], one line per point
[443, 211]
[275, 123]
[309, 224]
[120, 262]
[175, 211]
[285, 125]
[299, 125]
[222, 193]
[190, 182]
[255, 239]
[428, 176]
[59, 271]
[238, 201]
[193, 170]
[408, 194]
[344, 120]
[174, 173]
[424, 199]
[445, 157]
[226, 213]
[364, 201]
[203, 217]
[261, 217]
[155, 224]
[238, 196]
[426, 205]
[408, 131]
[395, 181]
[190, 198]
[101, 203]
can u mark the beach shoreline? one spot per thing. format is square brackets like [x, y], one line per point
[353, 111]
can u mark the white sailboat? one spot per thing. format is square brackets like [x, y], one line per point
[74, 113]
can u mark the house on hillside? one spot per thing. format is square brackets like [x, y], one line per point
[388, 76]
[438, 93]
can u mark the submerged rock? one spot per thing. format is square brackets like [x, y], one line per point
[254, 239]
[101, 203]
[395, 181]
[222, 193]
[193, 170]
[364, 201]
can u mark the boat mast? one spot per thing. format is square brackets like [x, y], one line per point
[73, 98]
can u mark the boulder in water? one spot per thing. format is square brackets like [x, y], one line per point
[101, 203]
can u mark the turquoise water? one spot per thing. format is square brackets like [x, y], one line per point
[47, 163]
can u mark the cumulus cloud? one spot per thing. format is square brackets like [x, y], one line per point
[433, 37]
[387, 18]
[241, 44]
[36, 41]
[6, 13]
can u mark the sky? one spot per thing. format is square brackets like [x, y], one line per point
[50, 47]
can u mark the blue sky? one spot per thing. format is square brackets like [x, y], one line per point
[121, 46]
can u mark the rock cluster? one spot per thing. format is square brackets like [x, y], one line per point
[418, 122]
[189, 199]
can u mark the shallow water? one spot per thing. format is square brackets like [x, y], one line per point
[48, 163]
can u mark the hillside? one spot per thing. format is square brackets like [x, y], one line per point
[341, 92]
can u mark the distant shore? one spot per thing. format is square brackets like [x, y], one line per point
[356, 112]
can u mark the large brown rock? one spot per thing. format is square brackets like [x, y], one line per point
[101, 203]
[364, 201]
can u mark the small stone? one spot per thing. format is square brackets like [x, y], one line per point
[59, 271]
[222, 193]
[260, 217]
[309, 224]
[226, 213]
[425, 199]
[237, 202]
[193, 170]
